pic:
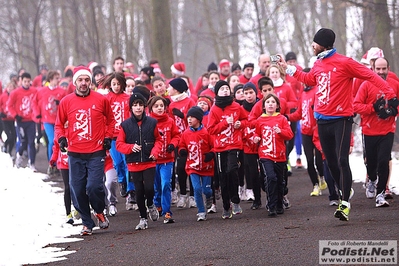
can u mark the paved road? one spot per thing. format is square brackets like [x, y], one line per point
[251, 238]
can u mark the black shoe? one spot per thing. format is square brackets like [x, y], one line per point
[280, 210]
[123, 189]
[272, 213]
[132, 194]
[256, 205]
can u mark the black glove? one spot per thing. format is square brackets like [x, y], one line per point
[39, 116]
[63, 144]
[170, 148]
[394, 102]
[209, 156]
[183, 153]
[18, 118]
[107, 143]
[379, 104]
[387, 112]
[3, 115]
[57, 102]
[177, 113]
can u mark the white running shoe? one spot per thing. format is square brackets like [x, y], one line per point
[153, 213]
[182, 201]
[201, 216]
[143, 224]
[250, 195]
[191, 202]
[112, 210]
[175, 198]
[380, 201]
[212, 209]
[18, 160]
[371, 189]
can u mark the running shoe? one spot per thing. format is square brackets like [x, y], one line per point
[201, 216]
[316, 191]
[86, 231]
[143, 224]
[103, 222]
[342, 212]
[380, 201]
[168, 218]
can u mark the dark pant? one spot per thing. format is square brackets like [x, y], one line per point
[11, 134]
[86, 178]
[67, 190]
[180, 170]
[332, 187]
[335, 136]
[311, 153]
[144, 184]
[241, 171]
[227, 166]
[26, 132]
[274, 183]
[252, 174]
[378, 154]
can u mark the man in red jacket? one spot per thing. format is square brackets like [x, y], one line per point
[333, 74]
[20, 107]
[378, 127]
[86, 117]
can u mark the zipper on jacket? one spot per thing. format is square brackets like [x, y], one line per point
[141, 143]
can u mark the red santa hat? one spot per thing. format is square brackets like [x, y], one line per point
[364, 60]
[91, 65]
[80, 71]
[374, 53]
[178, 68]
[224, 62]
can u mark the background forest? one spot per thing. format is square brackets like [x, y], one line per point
[197, 32]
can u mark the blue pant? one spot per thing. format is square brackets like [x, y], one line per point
[26, 132]
[120, 166]
[86, 179]
[49, 129]
[163, 186]
[201, 184]
[298, 139]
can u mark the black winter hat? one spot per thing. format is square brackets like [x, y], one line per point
[235, 66]
[149, 71]
[248, 65]
[290, 56]
[212, 67]
[250, 85]
[196, 112]
[238, 87]
[219, 84]
[179, 84]
[137, 97]
[324, 37]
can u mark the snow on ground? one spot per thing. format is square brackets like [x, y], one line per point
[34, 214]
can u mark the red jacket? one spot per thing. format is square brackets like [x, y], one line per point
[226, 136]
[3, 106]
[305, 112]
[255, 80]
[45, 103]
[61, 158]
[257, 110]
[38, 81]
[248, 137]
[120, 108]
[183, 105]
[272, 145]
[285, 91]
[21, 103]
[169, 134]
[371, 124]
[333, 77]
[90, 120]
[243, 79]
[208, 92]
[197, 143]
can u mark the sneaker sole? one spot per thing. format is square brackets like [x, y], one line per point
[341, 216]
[169, 221]
[385, 204]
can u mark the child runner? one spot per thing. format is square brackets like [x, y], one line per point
[170, 136]
[272, 130]
[196, 144]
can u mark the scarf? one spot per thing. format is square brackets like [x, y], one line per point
[224, 101]
[278, 83]
[248, 106]
[179, 97]
[326, 53]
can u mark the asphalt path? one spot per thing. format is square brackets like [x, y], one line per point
[251, 238]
